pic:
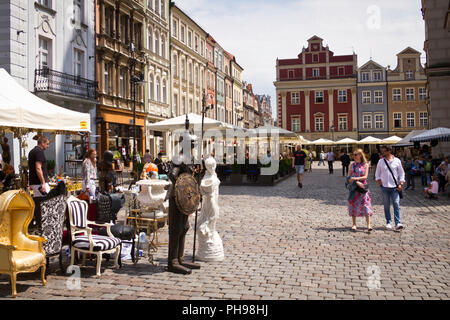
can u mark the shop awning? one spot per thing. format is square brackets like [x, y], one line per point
[439, 134]
[406, 141]
[20, 108]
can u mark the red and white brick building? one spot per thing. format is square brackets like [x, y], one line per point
[316, 93]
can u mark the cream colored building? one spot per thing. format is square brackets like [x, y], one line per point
[157, 72]
[238, 107]
[407, 94]
[188, 62]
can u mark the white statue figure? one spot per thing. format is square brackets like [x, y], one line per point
[152, 196]
[210, 246]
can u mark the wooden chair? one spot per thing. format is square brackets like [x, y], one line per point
[19, 251]
[82, 238]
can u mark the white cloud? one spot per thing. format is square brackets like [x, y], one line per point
[257, 32]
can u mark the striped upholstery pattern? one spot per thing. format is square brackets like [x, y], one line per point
[102, 243]
[79, 213]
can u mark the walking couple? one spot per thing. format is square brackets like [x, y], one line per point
[389, 172]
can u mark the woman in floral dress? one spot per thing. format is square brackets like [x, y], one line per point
[361, 205]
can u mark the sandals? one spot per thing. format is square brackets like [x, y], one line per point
[369, 230]
[354, 228]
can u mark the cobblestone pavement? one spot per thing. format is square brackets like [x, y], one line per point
[283, 242]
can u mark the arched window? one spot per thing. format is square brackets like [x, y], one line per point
[175, 65]
[164, 91]
[152, 88]
[150, 39]
[163, 46]
[158, 89]
[157, 42]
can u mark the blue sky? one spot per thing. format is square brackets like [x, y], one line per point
[257, 32]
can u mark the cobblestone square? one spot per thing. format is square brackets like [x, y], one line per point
[284, 242]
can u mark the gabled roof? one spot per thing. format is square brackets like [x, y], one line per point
[371, 62]
[315, 38]
[409, 50]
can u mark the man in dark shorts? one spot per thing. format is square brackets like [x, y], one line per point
[298, 162]
[38, 175]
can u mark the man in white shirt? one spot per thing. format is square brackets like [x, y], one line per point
[390, 189]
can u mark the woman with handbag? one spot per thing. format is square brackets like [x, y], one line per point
[360, 205]
[89, 173]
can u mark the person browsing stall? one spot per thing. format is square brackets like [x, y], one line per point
[38, 175]
[89, 172]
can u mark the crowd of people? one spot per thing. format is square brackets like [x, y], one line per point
[392, 171]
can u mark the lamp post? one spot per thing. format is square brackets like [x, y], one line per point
[135, 80]
[205, 108]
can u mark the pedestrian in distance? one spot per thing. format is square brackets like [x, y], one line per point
[390, 177]
[432, 190]
[411, 171]
[330, 158]
[147, 156]
[374, 158]
[345, 160]
[298, 162]
[360, 202]
[441, 172]
[322, 156]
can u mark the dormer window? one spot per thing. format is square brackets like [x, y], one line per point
[365, 76]
[409, 75]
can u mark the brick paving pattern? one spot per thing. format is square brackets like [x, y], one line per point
[283, 242]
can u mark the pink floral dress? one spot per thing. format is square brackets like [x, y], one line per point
[361, 205]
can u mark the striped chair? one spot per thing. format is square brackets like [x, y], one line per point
[82, 238]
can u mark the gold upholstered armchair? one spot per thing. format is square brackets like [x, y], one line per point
[19, 251]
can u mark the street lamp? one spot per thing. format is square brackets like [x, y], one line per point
[134, 80]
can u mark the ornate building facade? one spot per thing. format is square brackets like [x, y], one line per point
[120, 56]
[157, 72]
[372, 101]
[316, 93]
[189, 63]
[407, 94]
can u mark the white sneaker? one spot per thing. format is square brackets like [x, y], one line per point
[399, 226]
[388, 226]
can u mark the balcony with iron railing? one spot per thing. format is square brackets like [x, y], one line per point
[47, 80]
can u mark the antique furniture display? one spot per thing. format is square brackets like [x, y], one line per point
[19, 251]
[82, 238]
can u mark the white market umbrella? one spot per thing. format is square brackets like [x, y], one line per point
[346, 141]
[392, 140]
[370, 140]
[178, 123]
[322, 142]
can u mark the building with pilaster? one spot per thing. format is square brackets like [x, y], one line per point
[407, 94]
[157, 72]
[189, 63]
[120, 56]
[220, 82]
[228, 86]
[372, 101]
[316, 93]
[48, 47]
[238, 109]
[210, 74]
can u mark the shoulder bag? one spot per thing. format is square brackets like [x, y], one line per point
[400, 193]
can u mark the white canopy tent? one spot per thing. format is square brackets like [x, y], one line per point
[20, 108]
[392, 140]
[370, 140]
[194, 120]
[322, 142]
